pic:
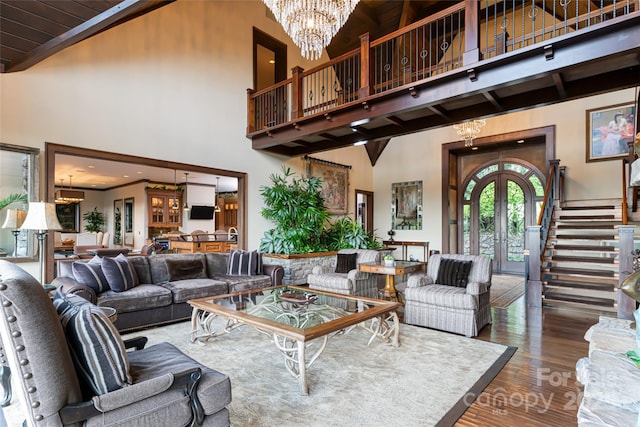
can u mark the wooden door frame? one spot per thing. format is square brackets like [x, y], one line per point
[369, 213]
[451, 180]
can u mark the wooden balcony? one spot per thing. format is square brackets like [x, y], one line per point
[474, 59]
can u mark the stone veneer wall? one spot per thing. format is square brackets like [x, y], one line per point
[298, 267]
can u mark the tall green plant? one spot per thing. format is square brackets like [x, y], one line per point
[94, 219]
[296, 207]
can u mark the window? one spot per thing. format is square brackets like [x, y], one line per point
[19, 175]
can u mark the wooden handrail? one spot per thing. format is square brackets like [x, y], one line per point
[331, 63]
[547, 191]
[271, 88]
[448, 11]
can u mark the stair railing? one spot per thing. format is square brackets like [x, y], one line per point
[536, 235]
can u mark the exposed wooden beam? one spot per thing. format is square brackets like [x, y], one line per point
[439, 111]
[557, 80]
[493, 99]
[395, 121]
[101, 22]
[375, 149]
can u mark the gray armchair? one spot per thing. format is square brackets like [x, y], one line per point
[458, 309]
[355, 282]
[168, 387]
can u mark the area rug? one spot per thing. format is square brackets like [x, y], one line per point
[429, 380]
[505, 289]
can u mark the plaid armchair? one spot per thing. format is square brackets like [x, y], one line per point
[355, 282]
[462, 310]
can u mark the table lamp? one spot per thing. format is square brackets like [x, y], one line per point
[41, 217]
[14, 219]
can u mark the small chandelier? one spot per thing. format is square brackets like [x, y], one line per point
[311, 24]
[68, 195]
[469, 130]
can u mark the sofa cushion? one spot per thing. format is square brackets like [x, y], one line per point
[442, 295]
[120, 275]
[242, 263]
[96, 346]
[184, 290]
[216, 263]
[158, 265]
[214, 389]
[141, 266]
[244, 283]
[346, 262]
[184, 269]
[141, 297]
[90, 274]
[453, 272]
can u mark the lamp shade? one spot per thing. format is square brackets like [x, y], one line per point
[41, 216]
[14, 219]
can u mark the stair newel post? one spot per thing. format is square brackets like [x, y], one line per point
[365, 66]
[555, 164]
[626, 304]
[296, 92]
[533, 285]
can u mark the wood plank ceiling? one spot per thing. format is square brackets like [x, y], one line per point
[33, 30]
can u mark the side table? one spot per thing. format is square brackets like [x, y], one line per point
[397, 268]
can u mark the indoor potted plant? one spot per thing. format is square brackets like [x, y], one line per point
[94, 220]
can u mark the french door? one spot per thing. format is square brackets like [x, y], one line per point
[500, 200]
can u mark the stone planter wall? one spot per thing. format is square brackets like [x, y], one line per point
[298, 267]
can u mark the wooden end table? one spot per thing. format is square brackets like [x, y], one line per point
[391, 270]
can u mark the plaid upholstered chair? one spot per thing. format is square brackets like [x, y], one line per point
[442, 299]
[163, 385]
[345, 278]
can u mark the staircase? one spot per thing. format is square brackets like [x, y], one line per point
[580, 267]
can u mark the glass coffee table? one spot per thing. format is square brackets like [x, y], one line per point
[294, 316]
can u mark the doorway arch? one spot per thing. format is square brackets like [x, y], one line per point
[500, 199]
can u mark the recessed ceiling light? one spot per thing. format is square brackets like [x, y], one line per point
[359, 143]
[93, 185]
[520, 141]
[272, 61]
[139, 172]
[474, 147]
[91, 167]
[125, 176]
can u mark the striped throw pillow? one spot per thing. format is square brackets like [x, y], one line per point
[453, 272]
[90, 274]
[120, 275]
[96, 346]
[243, 263]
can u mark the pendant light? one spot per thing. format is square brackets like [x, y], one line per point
[216, 208]
[175, 192]
[186, 184]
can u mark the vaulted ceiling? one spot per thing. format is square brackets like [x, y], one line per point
[33, 30]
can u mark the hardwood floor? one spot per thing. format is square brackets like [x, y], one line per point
[538, 386]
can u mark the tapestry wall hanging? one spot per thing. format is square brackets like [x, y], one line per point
[406, 205]
[335, 183]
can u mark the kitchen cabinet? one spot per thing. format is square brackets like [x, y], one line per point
[162, 212]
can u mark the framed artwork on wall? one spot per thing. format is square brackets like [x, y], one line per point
[406, 205]
[609, 130]
[69, 217]
[335, 184]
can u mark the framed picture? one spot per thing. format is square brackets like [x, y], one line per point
[609, 130]
[406, 205]
[335, 186]
[69, 217]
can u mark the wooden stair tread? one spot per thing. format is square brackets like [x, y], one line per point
[601, 302]
[587, 207]
[584, 248]
[599, 260]
[580, 285]
[569, 217]
[583, 226]
[585, 236]
[580, 272]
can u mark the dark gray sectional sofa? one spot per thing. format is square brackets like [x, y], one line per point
[161, 294]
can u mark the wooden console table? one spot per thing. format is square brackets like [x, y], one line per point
[181, 246]
[405, 245]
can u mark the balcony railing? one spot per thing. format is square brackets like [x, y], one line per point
[466, 33]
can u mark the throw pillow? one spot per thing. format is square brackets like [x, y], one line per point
[120, 275]
[453, 272]
[346, 262]
[242, 263]
[184, 269]
[96, 347]
[90, 274]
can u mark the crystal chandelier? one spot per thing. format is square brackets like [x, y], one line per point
[469, 130]
[311, 24]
